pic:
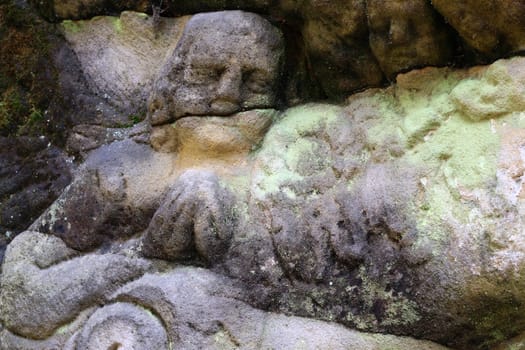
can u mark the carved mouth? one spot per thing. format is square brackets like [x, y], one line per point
[224, 107]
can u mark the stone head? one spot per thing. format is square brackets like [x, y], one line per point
[406, 34]
[225, 62]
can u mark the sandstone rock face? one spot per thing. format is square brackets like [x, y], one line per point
[33, 174]
[200, 137]
[399, 211]
[193, 308]
[492, 27]
[121, 57]
[195, 220]
[234, 67]
[338, 49]
[36, 300]
[406, 34]
[344, 46]
[41, 95]
[111, 198]
[81, 9]
[327, 58]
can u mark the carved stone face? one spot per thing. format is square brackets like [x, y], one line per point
[405, 34]
[225, 62]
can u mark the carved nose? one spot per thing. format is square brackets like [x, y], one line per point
[230, 84]
[399, 32]
[227, 99]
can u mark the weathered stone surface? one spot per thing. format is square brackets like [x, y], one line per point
[212, 315]
[85, 138]
[493, 92]
[122, 325]
[235, 66]
[328, 235]
[45, 284]
[43, 89]
[407, 34]
[345, 46]
[399, 212]
[121, 56]
[491, 27]
[192, 308]
[199, 137]
[33, 173]
[420, 210]
[336, 41]
[38, 92]
[196, 220]
[114, 196]
[81, 9]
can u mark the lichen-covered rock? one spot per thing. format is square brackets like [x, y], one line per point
[235, 66]
[418, 206]
[199, 309]
[496, 91]
[331, 215]
[398, 212]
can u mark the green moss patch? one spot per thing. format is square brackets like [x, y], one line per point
[496, 93]
[287, 149]
[27, 79]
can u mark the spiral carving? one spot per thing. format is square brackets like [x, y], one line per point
[122, 326]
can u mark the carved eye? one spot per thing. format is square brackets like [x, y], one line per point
[256, 81]
[203, 75]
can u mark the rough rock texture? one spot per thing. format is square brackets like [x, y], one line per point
[330, 49]
[399, 211]
[121, 57]
[33, 173]
[195, 220]
[79, 9]
[492, 27]
[43, 94]
[36, 299]
[406, 34]
[114, 196]
[235, 66]
[84, 138]
[127, 326]
[344, 46]
[336, 44]
[335, 48]
[192, 308]
[365, 203]
[35, 111]
[197, 137]
[428, 186]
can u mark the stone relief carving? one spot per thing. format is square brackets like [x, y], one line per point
[311, 216]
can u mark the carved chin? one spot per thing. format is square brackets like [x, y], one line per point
[238, 133]
[158, 117]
